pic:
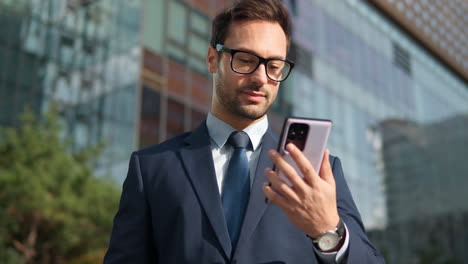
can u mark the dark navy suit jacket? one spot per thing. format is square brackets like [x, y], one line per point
[171, 212]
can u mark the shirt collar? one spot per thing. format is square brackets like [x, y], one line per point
[219, 130]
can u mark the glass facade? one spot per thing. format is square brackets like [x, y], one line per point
[83, 55]
[399, 116]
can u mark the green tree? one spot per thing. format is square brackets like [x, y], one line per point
[52, 208]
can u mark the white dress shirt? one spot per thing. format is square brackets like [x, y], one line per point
[220, 131]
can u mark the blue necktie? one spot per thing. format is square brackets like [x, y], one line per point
[236, 186]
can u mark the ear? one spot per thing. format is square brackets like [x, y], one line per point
[212, 60]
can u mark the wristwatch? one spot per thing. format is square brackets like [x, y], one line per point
[331, 240]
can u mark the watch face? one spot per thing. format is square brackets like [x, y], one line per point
[328, 241]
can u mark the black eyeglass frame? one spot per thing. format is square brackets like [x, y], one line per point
[222, 48]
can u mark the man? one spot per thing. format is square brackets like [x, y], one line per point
[201, 196]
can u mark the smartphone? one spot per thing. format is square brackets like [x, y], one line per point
[309, 135]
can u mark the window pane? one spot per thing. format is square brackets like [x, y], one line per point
[199, 23]
[149, 125]
[153, 25]
[175, 119]
[198, 45]
[177, 21]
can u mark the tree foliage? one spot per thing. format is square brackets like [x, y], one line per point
[52, 208]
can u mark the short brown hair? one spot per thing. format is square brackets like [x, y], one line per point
[245, 10]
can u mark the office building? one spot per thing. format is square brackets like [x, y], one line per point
[425, 178]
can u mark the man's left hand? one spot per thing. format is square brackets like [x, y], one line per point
[310, 203]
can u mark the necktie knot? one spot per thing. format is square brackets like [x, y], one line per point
[239, 139]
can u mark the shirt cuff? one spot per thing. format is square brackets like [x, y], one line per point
[334, 257]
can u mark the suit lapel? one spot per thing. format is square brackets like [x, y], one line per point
[198, 161]
[257, 204]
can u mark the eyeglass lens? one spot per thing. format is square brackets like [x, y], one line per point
[243, 62]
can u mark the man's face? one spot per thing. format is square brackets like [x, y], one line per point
[246, 97]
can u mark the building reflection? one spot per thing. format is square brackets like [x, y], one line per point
[425, 174]
[83, 55]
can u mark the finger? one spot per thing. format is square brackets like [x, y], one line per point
[326, 172]
[281, 186]
[288, 171]
[310, 175]
[274, 197]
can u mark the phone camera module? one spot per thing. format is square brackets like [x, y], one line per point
[297, 135]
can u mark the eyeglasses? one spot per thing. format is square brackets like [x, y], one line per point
[244, 62]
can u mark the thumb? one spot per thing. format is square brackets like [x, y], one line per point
[325, 170]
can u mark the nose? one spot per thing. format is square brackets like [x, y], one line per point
[259, 76]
